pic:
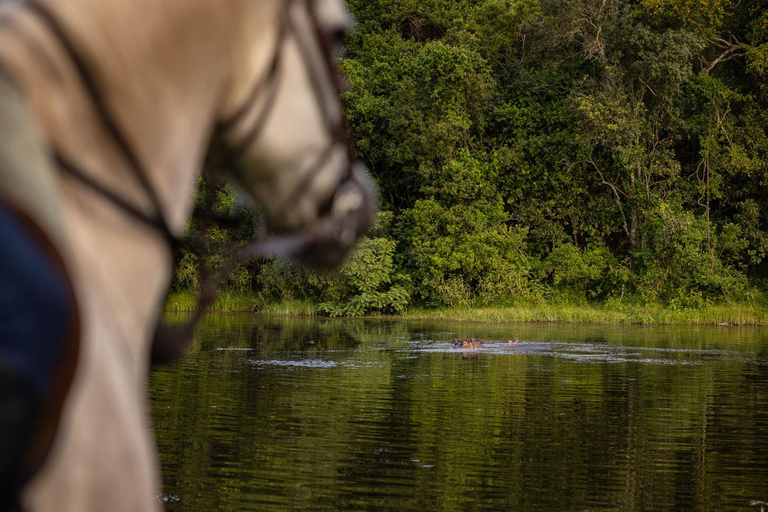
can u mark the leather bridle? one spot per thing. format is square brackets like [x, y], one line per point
[349, 211]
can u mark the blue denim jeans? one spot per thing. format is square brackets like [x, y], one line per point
[34, 321]
[34, 305]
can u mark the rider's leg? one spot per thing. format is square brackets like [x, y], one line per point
[35, 312]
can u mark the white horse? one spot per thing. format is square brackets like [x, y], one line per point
[126, 94]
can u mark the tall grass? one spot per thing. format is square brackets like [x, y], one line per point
[291, 308]
[226, 302]
[595, 314]
[230, 302]
[648, 315]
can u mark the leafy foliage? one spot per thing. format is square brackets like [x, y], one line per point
[532, 150]
[368, 283]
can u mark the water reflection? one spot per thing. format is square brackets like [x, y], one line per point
[306, 414]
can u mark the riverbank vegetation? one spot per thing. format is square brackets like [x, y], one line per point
[595, 160]
[599, 313]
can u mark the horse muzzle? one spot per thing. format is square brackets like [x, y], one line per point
[332, 238]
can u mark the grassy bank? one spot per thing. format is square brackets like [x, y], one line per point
[186, 301]
[648, 315]
[596, 314]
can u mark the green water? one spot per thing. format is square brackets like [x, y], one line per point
[276, 414]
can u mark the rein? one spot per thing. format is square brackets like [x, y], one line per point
[337, 232]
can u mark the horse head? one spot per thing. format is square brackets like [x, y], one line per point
[284, 126]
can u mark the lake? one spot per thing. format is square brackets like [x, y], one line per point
[275, 414]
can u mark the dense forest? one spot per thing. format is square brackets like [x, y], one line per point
[541, 151]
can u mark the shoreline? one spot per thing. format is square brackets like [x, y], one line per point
[181, 302]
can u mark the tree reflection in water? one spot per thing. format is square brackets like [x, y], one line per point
[316, 414]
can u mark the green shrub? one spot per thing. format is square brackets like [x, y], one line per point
[676, 264]
[584, 270]
[367, 284]
[186, 277]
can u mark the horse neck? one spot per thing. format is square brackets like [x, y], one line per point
[160, 71]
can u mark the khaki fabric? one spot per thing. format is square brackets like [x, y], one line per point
[28, 179]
